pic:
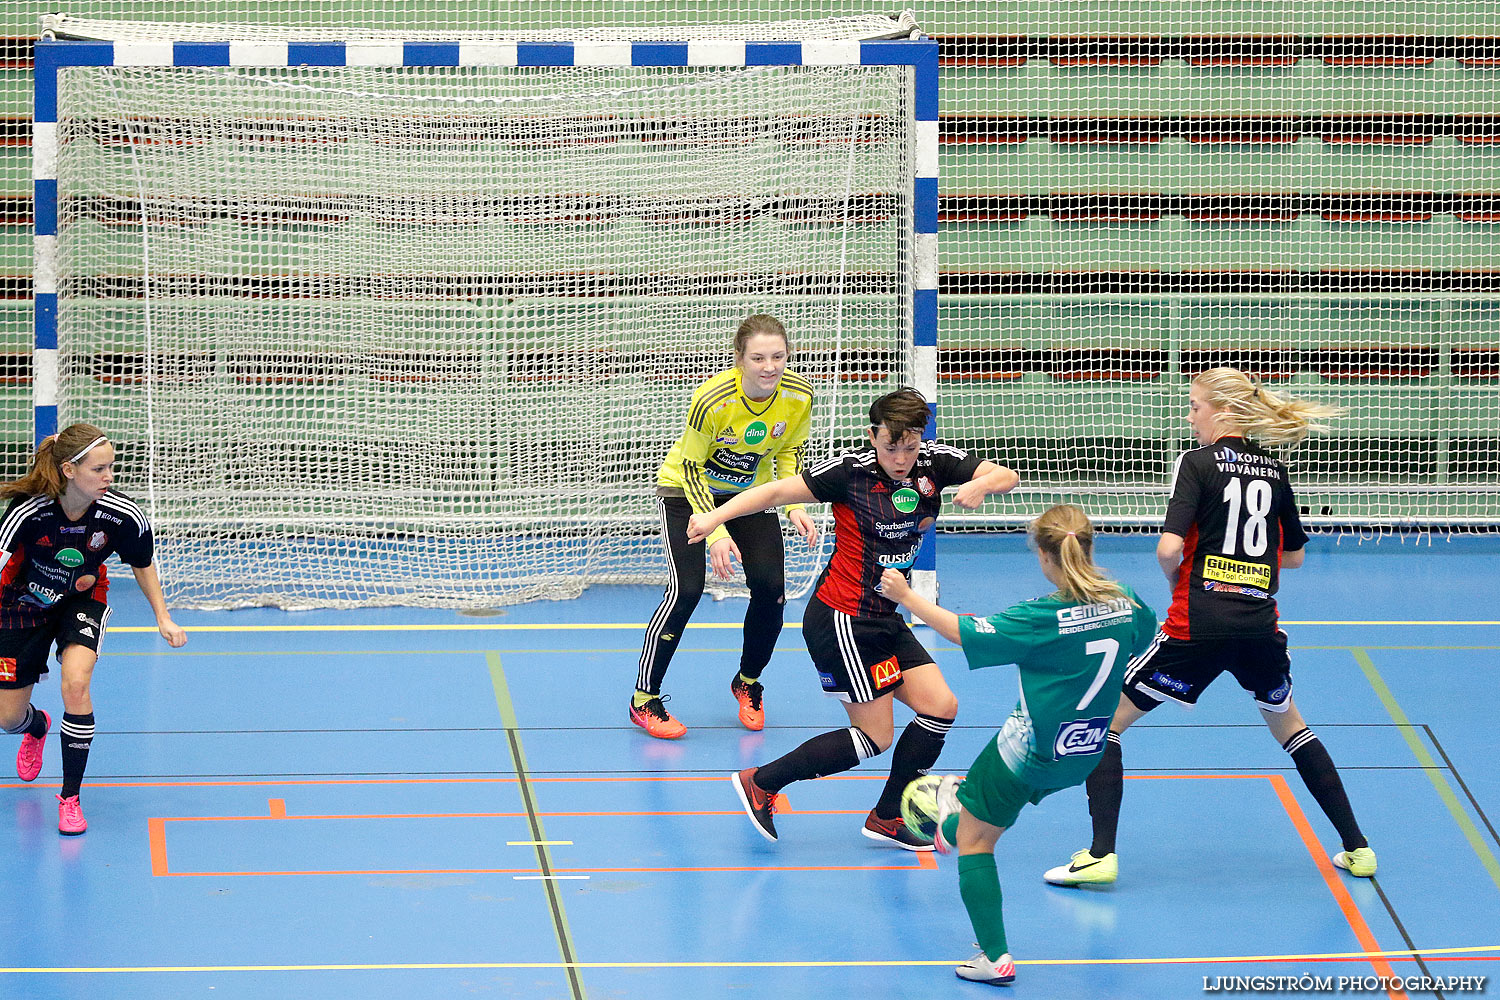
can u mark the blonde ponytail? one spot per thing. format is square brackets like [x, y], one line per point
[1271, 418]
[1065, 533]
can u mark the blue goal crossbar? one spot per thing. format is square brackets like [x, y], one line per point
[54, 57]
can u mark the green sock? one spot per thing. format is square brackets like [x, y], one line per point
[641, 697]
[950, 829]
[979, 887]
[747, 681]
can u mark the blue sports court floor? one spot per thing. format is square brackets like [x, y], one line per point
[405, 803]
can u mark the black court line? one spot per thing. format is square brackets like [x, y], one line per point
[1401, 928]
[544, 863]
[1473, 802]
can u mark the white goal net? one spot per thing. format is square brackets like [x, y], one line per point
[421, 334]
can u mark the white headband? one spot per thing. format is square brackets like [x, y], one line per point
[92, 445]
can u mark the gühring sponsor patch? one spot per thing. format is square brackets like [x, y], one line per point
[1234, 571]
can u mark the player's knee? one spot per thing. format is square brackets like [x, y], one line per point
[941, 704]
[766, 586]
[880, 735]
[74, 693]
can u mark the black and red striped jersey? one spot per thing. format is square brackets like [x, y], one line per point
[1235, 510]
[877, 521]
[52, 557]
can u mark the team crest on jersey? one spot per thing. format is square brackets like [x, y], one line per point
[1080, 738]
[97, 541]
[925, 486]
[778, 429]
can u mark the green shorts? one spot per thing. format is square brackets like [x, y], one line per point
[993, 793]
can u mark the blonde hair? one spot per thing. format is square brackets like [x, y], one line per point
[1271, 418]
[1065, 533]
[45, 477]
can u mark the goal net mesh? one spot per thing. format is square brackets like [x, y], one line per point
[422, 335]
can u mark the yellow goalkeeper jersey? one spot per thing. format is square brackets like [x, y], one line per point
[732, 443]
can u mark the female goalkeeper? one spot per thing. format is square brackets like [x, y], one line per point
[63, 521]
[745, 426]
[1231, 527]
[1071, 648]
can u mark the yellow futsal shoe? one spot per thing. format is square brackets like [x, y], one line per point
[1085, 869]
[1359, 862]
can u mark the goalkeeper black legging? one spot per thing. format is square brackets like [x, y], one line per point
[759, 539]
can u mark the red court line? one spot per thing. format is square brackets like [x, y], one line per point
[1336, 886]
[157, 834]
[156, 827]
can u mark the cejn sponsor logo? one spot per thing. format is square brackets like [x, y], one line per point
[1080, 738]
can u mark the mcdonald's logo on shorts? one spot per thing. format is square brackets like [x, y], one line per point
[885, 673]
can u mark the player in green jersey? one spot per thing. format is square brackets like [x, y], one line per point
[1071, 648]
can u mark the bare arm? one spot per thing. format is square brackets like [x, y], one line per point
[893, 584]
[1293, 559]
[1169, 556]
[150, 585]
[988, 478]
[792, 489]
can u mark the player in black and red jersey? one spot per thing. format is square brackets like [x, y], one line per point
[884, 498]
[1231, 527]
[63, 521]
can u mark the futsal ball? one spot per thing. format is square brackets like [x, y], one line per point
[919, 806]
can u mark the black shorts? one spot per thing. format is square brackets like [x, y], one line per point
[1181, 669]
[24, 651]
[859, 659]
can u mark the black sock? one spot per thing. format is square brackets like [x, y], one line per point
[33, 723]
[77, 736]
[916, 751]
[829, 753]
[1322, 779]
[1106, 786]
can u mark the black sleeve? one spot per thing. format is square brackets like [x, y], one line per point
[1292, 535]
[1182, 509]
[829, 481]
[953, 466]
[139, 549]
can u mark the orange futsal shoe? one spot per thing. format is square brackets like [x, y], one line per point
[654, 718]
[752, 715]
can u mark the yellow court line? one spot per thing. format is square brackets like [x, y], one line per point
[1430, 766]
[808, 964]
[638, 626]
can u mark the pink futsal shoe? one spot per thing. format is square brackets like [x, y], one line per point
[29, 757]
[70, 821]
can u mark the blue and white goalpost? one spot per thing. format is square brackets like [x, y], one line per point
[394, 321]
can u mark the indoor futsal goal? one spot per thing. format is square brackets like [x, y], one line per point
[413, 321]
